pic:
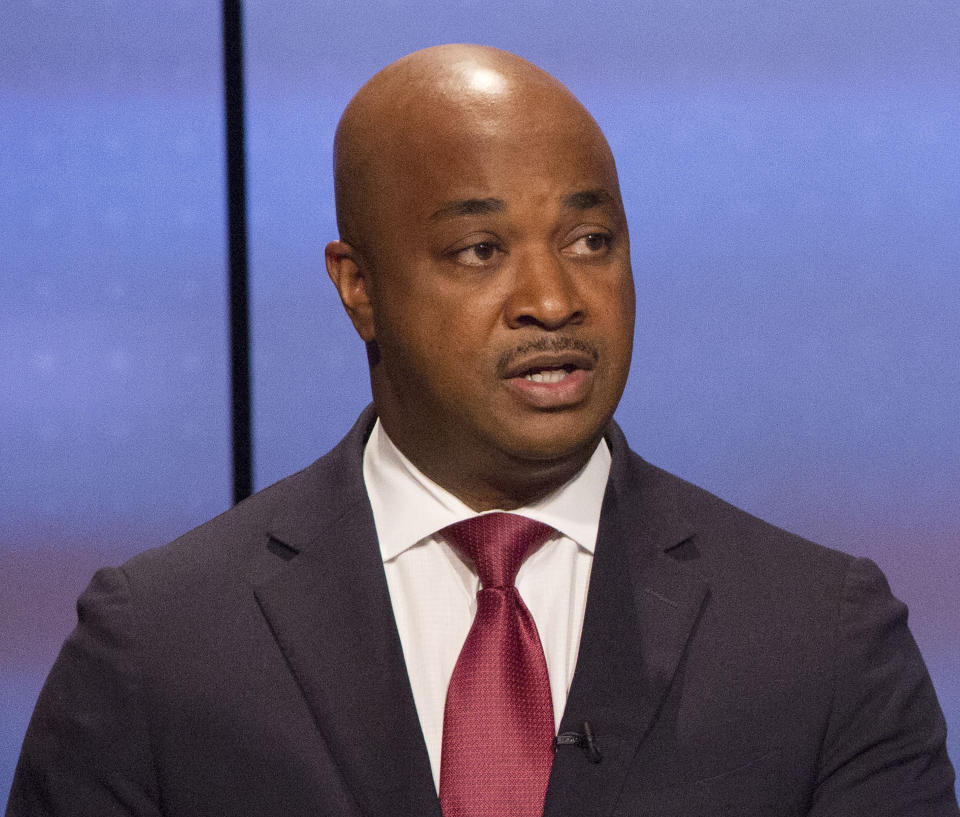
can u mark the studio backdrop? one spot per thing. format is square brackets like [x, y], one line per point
[791, 173]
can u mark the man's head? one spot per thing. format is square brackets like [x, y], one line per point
[484, 259]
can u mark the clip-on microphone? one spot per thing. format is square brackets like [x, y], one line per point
[585, 740]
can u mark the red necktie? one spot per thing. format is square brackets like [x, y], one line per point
[498, 721]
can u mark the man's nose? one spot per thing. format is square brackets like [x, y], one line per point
[543, 292]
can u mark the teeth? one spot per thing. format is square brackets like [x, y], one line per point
[548, 376]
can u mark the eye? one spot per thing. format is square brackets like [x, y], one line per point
[478, 255]
[590, 244]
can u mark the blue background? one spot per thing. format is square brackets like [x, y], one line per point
[791, 172]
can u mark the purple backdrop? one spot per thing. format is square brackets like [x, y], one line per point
[791, 173]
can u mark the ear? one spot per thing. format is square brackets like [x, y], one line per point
[349, 275]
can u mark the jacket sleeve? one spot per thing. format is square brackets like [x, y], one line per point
[87, 749]
[884, 751]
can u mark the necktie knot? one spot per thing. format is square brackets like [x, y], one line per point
[497, 543]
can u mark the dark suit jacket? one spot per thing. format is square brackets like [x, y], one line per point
[253, 667]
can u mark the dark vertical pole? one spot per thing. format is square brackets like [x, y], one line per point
[237, 225]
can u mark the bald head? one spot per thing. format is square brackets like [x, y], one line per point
[484, 259]
[432, 106]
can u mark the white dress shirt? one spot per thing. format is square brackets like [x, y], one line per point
[433, 590]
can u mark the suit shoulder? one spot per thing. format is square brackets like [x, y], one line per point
[221, 548]
[723, 534]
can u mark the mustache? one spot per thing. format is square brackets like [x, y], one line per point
[562, 343]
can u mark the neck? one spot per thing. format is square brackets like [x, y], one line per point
[506, 495]
[488, 481]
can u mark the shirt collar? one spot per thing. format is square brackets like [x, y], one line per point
[408, 506]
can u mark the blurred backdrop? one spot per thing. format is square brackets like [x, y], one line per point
[791, 172]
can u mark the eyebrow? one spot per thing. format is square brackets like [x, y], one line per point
[587, 199]
[468, 207]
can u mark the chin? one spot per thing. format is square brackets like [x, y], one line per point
[546, 444]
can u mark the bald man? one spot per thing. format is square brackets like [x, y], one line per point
[481, 602]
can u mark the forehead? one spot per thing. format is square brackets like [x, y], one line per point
[518, 148]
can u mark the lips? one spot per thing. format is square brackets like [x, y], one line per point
[552, 363]
[552, 380]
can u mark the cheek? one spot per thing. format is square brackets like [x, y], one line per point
[431, 344]
[443, 321]
[614, 308]
[615, 328]
[624, 307]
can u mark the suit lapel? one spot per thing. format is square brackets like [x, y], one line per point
[327, 603]
[642, 609]
[321, 587]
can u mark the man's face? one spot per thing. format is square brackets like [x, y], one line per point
[501, 290]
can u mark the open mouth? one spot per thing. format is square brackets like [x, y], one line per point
[549, 375]
[553, 379]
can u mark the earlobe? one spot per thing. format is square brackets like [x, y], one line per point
[349, 275]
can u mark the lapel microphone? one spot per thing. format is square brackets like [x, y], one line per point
[585, 740]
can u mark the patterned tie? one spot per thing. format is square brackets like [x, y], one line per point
[498, 721]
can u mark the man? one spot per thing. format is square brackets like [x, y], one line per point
[335, 644]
